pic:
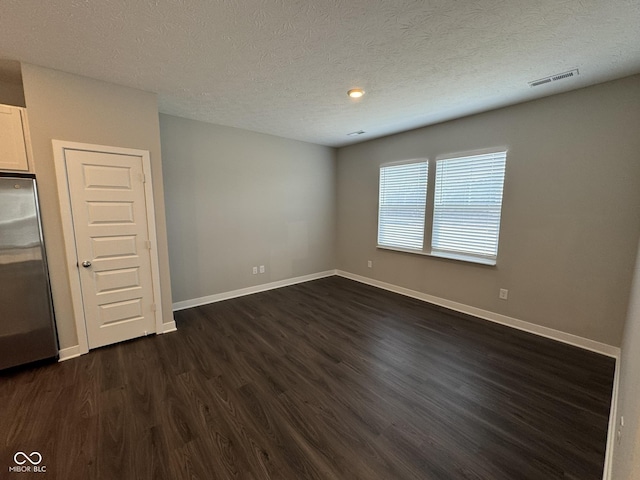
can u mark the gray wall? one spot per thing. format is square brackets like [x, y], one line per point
[626, 459]
[236, 199]
[11, 93]
[63, 106]
[570, 221]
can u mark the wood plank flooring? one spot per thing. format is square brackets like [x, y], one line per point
[328, 379]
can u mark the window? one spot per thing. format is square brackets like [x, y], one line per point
[460, 219]
[402, 202]
[467, 204]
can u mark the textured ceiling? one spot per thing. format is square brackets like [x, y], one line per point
[283, 66]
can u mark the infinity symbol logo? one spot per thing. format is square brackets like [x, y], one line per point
[34, 458]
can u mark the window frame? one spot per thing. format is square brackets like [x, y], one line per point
[427, 248]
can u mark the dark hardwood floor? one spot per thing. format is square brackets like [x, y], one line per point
[328, 379]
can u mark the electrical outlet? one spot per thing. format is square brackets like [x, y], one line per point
[504, 294]
[261, 268]
[619, 432]
[370, 263]
[255, 270]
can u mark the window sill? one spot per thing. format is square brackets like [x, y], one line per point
[446, 255]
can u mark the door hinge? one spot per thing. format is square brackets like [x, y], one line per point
[153, 307]
[143, 178]
[147, 244]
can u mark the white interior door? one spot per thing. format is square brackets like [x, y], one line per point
[112, 243]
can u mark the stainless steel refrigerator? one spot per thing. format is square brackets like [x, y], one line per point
[27, 329]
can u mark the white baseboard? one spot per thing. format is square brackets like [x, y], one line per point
[69, 353]
[76, 351]
[547, 332]
[218, 297]
[613, 419]
[168, 327]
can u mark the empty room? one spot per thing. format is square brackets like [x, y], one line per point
[320, 240]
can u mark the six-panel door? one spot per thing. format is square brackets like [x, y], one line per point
[112, 242]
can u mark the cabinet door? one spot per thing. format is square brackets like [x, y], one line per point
[13, 151]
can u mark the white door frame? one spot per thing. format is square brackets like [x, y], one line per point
[59, 148]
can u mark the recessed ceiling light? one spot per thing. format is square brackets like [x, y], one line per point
[355, 92]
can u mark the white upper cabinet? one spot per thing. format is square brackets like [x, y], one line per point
[13, 139]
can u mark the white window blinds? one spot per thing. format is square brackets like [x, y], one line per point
[402, 202]
[467, 205]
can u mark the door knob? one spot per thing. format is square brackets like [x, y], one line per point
[86, 264]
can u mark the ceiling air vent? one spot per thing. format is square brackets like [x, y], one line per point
[555, 78]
